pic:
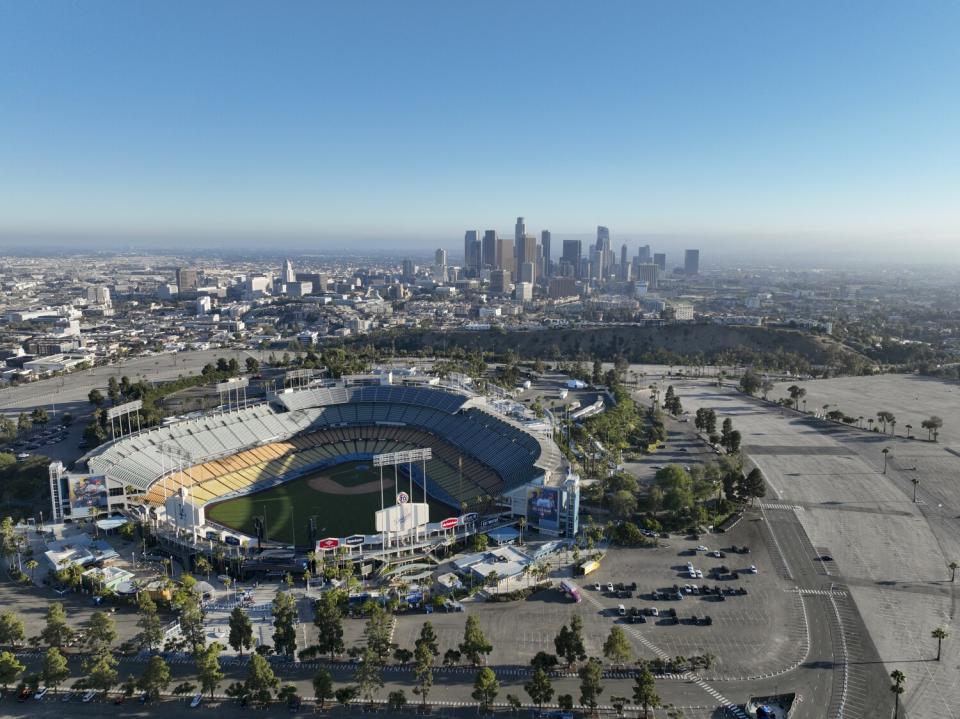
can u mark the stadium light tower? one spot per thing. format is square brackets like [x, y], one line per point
[407, 457]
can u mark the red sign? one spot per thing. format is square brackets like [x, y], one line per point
[449, 523]
[329, 543]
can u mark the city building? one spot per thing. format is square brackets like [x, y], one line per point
[545, 253]
[691, 262]
[572, 252]
[186, 280]
[504, 257]
[472, 251]
[500, 281]
[488, 255]
[561, 287]
[286, 272]
[660, 260]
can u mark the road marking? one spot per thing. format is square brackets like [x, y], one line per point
[818, 592]
[781, 505]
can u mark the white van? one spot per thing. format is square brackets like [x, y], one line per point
[622, 610]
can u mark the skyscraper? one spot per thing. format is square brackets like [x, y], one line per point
[545, 251]
[409, 269]
[691, 262]
[643, 254]
[603, 237]
[572, 250]
[504, 257]
[623, 260]
[440, 258]
[519, 230]
[471, 250]
[186, 280]
[660, 260]
[488, 255]
[287, 274]
[648, 272]
[526, 249]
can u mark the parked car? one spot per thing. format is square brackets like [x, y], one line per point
[195, 702]
[88, 697]
[41, 693]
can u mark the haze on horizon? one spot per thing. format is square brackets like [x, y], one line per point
[749, 128]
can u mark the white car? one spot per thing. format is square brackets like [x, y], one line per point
[752, 569]
[609, 586]
[41, 693]
[88, 697]
[597, 586]
[701, 548]
[692, 573]
[195, 702]
[699, 574]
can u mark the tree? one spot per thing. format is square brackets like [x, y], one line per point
[953, 567]
[932, 425]
[428, 637]
[485, 688]
[565, 702]
[329, 623]
[23, 422]
[544, 660]
[623, 504]
[569, 642]
[885, 418]
[8, 538]
[253, 365]
[755, 484]
[32, 565]
[733, 441]
[591, 675]
[151, 631]
[241, 630]
[474, 645]
[203, 566]
[750, 382]
[368, 675]
[10, 669]
[645, 691]
[56, 633]
[377, 633]
[345, 695]
[424, 655]
[284, 623]
[54, 669]
[617, 648]
[101, 632]
[102, 672]
[322, 686]
[11, 629]
[539, 688]
[208, 668]
[155, 678]
[96, 397]
[192, 623]
[939, 634]
[396, 700]
[897, 688]
[261, 680]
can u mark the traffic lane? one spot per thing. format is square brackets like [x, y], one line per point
[449, 686]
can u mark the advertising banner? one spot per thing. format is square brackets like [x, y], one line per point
[543, 507]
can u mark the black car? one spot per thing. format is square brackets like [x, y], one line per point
[826, 558]
[637, 619]
[705, 621]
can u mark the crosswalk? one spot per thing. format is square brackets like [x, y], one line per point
[722, 700]
[781, 505]
[818, 592]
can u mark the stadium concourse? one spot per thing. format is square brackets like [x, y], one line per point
[482, 466]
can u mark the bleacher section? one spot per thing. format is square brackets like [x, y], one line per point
[264, 466]
[320, 424]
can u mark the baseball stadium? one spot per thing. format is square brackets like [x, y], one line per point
[325, 461]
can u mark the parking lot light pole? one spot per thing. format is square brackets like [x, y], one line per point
[886, 451]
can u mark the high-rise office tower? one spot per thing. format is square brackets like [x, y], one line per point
[572, 250]
[409, 269]
[440, 258]
[499, 281]
[623, 258]
[488, 255]
[660, 260]
[504, 257]
[648, 272]
[603, 237]
[691, 262]
[186, 280]
[287, 274]
[471, 250]
[525, 271]
[643, 254]
[597, 269]
[526, 249]
[519, 230]
[545, 251]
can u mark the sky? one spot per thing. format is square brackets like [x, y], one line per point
[321, 124]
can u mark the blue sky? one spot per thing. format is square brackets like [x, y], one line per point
[411, 121]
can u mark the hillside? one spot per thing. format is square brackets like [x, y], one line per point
[689, 343]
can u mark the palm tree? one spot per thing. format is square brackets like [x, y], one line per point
[32, 565]
[522, 524]
[870, 423]
[939, 634]
[953, 567]
[893, 425]
[886, 451]
[909, 429]
[860, 421]
[897, 689]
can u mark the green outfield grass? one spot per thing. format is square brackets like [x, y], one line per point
[289, 506]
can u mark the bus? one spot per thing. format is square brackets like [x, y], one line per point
[571, 590]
